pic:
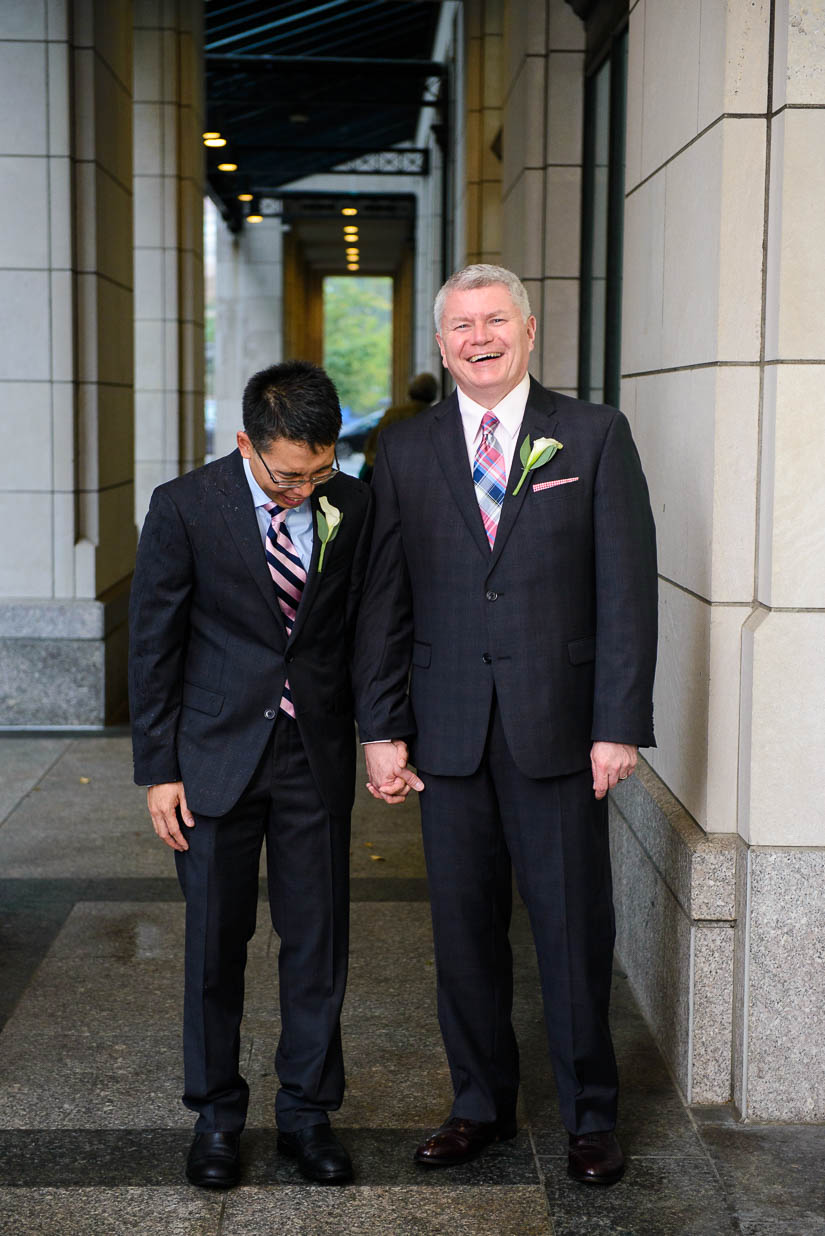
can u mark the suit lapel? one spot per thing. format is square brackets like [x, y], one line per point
[450, 448]
[239, 513]
[540, 420]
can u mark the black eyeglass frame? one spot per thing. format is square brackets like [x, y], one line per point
[296, 482]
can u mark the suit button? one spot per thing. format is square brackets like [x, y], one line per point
[492, 596]
[487, 659]
[270, 714]
[289, 657]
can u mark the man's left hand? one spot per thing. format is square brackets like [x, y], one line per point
[611, 762]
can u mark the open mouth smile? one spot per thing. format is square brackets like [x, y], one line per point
[485, 356]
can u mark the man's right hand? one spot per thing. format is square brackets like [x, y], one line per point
[388, 776]
[162, 801]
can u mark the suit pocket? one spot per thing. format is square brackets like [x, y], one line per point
[202, 700]
[580, 651]
[422, 654]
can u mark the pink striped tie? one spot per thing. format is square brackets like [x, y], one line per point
[289, 578]
[489, 476]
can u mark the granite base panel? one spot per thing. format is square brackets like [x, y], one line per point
[780, 1009]
[675, 909]
[723, 947]
[63, 663]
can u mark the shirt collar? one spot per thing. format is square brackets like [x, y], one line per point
[509, 410]
[259, 497]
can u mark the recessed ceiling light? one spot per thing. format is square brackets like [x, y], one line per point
[254, 218]
[214, 141]
[349, 210]
[244, 197]
[227, 167]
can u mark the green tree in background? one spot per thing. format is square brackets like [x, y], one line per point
[358, 339]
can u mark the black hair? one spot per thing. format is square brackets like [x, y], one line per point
[294, 400]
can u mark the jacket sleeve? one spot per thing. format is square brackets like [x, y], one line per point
[626, 594]
[384, 637]
[158, 625]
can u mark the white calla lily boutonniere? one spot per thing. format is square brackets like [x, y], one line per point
[329, 520]
[535, 455]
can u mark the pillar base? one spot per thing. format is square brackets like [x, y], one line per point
[63, 662]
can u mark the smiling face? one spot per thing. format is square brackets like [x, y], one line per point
[485, 342]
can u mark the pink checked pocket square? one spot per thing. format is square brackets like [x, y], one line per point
[565, 480]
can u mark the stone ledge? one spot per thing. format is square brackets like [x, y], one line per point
[699, 868]
[32, 618]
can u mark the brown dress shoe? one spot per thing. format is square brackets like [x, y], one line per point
[595, 1158]
[459, 1140]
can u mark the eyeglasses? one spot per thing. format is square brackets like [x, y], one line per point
[295, 482]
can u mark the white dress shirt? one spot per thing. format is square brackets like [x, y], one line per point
[298, 519]
[510, 413]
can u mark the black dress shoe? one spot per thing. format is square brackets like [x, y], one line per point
[320, 1155]
[214, 1160]
[459, 1140]
[595, 1158]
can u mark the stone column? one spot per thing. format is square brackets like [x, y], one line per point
[541, 175]
[483, 79]
[66, 470]
[168, 239]
[779, 1067]
[720, 845]
[248, 321]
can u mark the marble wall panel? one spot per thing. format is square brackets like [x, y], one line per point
[799, 56]
[671, 79]
[23, 95]
[696, 699]
[698, 435]
[796, 254]
[563, 119]
[733, 58]
[792, 538]
[25, 431]
[565, 31]
[24, 212]
[643, 277]
[784, 747]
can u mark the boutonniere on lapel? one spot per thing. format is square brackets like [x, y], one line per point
[329, 520]
[535, 455]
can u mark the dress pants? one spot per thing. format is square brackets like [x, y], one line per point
[553, 832]
[307, 857]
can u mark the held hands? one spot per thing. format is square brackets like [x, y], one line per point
[389, 777]
[611, 762]
[162, 801]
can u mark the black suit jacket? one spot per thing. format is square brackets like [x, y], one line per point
[560, 619]
[208, 646]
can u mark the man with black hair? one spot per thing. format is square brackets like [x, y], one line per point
[244, 598]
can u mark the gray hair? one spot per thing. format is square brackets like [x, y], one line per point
[482, 275]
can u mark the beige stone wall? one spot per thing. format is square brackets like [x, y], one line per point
[541, 176]
[168, 242]
[723, 353]
[692, 362]
[67, 531]
[483, 100]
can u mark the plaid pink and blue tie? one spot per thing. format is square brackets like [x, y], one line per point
[289, 578]
[489, 476]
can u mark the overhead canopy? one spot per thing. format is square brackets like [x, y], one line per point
[302, 88]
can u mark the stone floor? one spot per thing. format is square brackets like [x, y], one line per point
[92, 1132]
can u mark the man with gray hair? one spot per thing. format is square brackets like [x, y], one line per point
[508, 633]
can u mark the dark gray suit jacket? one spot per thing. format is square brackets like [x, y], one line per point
[208, 646]
[560, 619]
